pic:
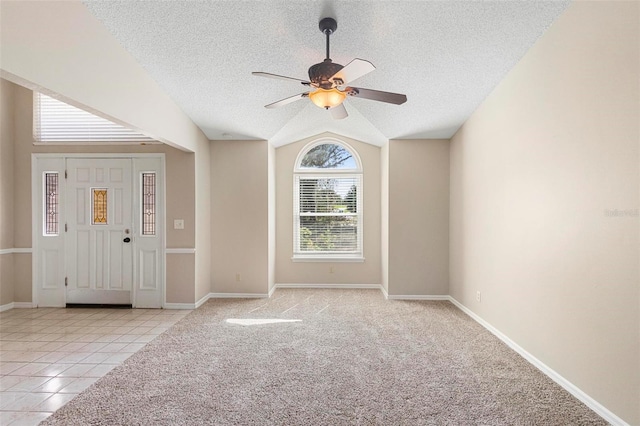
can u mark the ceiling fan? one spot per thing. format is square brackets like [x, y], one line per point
[329, 80]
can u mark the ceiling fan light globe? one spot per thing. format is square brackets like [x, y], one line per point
[327, 98]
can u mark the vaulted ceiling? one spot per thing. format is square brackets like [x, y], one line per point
[445, 56]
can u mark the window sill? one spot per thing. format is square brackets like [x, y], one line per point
[327, 258]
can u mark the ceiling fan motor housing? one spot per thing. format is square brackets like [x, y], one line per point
[321, 73]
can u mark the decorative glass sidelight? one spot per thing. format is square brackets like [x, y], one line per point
[51, 212]
[148, 204]
[99, 204]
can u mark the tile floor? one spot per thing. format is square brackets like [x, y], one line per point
[49, 355]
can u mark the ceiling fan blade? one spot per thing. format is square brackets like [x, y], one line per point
[288, 100]
[280, 77]
[352, 71]
[377, 95]
[339, 112]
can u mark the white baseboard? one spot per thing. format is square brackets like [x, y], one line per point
[271, 290]
[548, 371]
[215, 296]
[343, 286]
[16, 305]
[417, 297]
[202, 301]
[180, 250]
[238, 295]
[180, 306]
[384, 292]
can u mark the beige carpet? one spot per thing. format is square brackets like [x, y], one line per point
[353, 358]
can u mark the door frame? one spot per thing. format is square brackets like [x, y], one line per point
[56, 162]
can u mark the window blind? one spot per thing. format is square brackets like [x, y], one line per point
[327, 216]
[56, 121]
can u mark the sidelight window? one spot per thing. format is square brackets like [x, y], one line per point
[51, 203]
[148, 204]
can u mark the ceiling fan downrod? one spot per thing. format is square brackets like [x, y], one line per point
[321, 73]
[328, 26]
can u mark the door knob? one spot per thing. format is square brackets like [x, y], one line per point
[126, 240]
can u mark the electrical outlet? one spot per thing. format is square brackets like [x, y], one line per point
[178, 224]
[478, 296]
[238, 276]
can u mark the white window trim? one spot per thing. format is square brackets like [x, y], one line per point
[298, 172]
[323, 141]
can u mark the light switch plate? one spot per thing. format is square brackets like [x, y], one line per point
[178, 224]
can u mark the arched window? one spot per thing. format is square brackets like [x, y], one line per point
[327, 203]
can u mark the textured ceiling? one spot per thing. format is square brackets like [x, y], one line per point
[445, 56]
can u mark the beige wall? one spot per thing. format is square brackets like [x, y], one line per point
[239, 217]
[6, 164]
[181, 270]
[6, 192]
[418, 227]
[287, 271]
[203, 219]
[534, 173]
[180, 199]
[22, 277]
[6, 279]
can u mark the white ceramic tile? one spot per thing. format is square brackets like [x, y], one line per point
[96, 358]
[54, 384]
[7, 382]
[55, 401]
[94, 347]
[28, 384]
[69, 337]
[9, 397]
[113, 347]
[99, 370]
[77, 370]
[27, 402]
[6, 417]
[117, 358]
[14, 346]
[30, 419]
[72, 347]
[30, 369]
[78, 385]
[127, 338]
[23, 356]
[49, 355]
[52, 357]
[108, 338]
[9, 367]
[53, 346]
[55, 369]
[133, 347]
[74, 358]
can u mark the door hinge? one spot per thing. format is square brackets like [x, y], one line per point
[65, 174]
[66, 281]
[66, 228]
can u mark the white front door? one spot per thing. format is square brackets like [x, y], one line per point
[98, 247]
